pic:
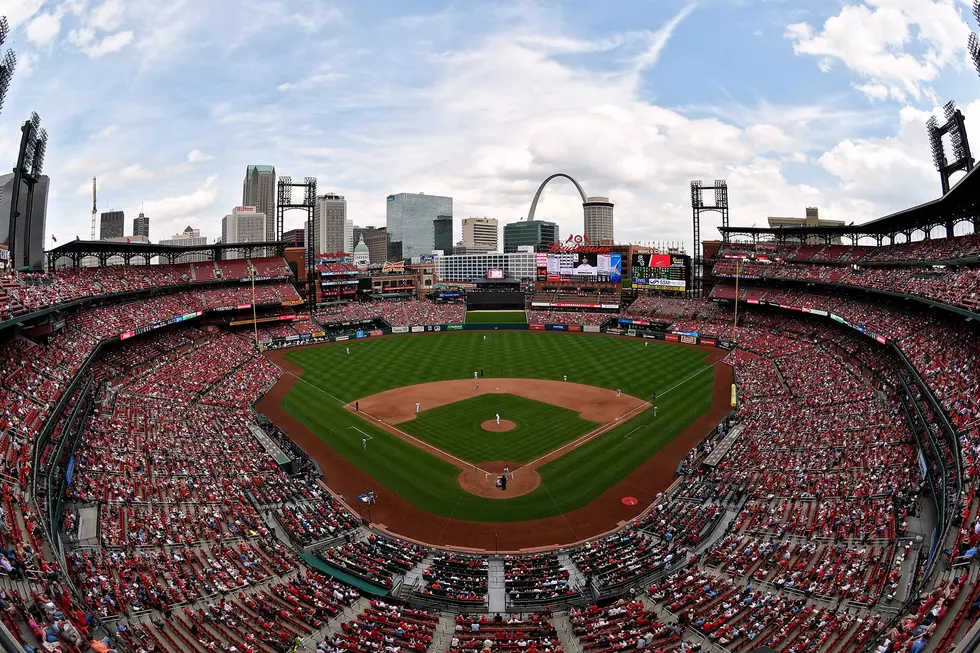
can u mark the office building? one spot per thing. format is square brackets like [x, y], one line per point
[348, 236]
[376, 239]
[521, 266]
[112, 225]
[294, 238]
[259, 190]
[442, 234]
[28, 247]
[189, 237]
[243, 225]
[141, 225]
[409, 220]
[538, 234]
[598, 213]
[329, 223]
[812, 219]
[481, 235]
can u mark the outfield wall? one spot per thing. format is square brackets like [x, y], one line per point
[626, 329]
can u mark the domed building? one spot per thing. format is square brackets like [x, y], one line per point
[362, 255]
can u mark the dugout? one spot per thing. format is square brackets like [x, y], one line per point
[496, 295]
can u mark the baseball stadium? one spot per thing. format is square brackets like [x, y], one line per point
[585, 446]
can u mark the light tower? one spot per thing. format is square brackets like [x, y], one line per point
[30, 163]
[962, 159]
[8, 62]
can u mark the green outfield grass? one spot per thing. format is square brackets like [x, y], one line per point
[496, 317]
[332, 378]
[456, 428]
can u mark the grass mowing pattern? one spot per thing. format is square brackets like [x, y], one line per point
[496, 317]
[332, 378]
[456, 429]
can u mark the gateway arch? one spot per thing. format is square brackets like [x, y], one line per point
[597, 211]
[537, 195]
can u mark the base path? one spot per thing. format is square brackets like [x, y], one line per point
[492, 426]
[606, 513]
[592, 403]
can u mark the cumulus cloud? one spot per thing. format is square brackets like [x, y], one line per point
[197, 156]
[899, 46]
[44, 28]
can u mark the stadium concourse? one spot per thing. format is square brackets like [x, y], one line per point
[839, 512]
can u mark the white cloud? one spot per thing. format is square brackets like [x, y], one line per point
[105, 133]
[19, 11]
[95, 48]
[44, 28]
[107, 16]
[660, 38]
[898, 45]
[197, 156]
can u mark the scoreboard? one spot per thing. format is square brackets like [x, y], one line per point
[662, 272]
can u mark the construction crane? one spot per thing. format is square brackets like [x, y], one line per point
[94, 211]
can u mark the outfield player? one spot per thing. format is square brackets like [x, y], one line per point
[363, 443]
[348, 351]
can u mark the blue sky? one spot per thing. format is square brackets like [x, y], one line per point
[795, 103]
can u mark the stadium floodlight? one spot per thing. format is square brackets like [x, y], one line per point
[976, 10]
[4, 29]
[310, 194]
[949, 110]
[936, 143]
[40, 147]
[696, 198]
[7, 66]
[973, 45]
[721, 193]
[285, 190]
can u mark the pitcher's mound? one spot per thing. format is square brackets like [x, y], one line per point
[505, 425]
[484, 483]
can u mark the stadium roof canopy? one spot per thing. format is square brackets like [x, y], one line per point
[102, 250]
[960, 204]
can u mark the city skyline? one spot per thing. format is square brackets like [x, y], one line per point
[848, 135]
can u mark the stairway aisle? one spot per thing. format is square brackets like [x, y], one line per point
[569, 643]
[575, 578]
[496, 595]
[413, 576]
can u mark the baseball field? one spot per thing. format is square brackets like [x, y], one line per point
[567, 437]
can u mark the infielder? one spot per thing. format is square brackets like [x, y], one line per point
[498, 419]
[565, 378]
[619, 393]
[417, 407]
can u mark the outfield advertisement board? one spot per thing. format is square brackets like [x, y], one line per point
[454, 327]
[418, 329]
[399, 329]
[591, 328]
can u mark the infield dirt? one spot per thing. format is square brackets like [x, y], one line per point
[602, 515]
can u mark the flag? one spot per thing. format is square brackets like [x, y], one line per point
[53, 238]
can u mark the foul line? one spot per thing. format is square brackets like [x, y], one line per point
[366, 435]
[421, 443]
[613, 424]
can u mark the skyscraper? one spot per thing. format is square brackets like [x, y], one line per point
[348, 236]
[259, 190]
[481, 235]
[243, 225]
[330, 223]
[536, 233]
[112, 225]
[141, 225]
[28, 248]
[442, 229]
[410, 219]
[598, 219]
[189, 237]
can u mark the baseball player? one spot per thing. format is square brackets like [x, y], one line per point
[418, 405]
[565, 377]
[498, 419]
[348, 351]
[619, 393]
[363, 443]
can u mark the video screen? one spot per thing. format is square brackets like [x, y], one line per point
[662, 272]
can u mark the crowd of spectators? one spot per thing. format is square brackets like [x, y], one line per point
[395, 313]
[956, 286]
[535, 633]
[456, 578]
[29, 292]
[536, 578]
[570, 317]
